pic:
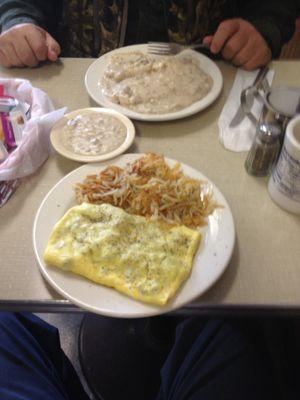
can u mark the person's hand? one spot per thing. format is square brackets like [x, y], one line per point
[239, 42]
[25, 45]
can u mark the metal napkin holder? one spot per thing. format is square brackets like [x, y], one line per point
[280, 104]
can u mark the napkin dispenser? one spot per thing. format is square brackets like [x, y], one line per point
[281, 104]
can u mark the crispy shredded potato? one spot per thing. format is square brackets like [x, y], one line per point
[149, 187]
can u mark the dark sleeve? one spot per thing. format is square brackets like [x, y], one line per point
[39, 12]
[274, 19]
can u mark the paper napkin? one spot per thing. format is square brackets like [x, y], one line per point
[240, 137]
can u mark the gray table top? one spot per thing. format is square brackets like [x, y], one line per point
[265, 267]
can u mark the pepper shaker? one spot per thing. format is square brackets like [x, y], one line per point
[264, 150]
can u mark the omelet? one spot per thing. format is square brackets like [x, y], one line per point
[147, 260]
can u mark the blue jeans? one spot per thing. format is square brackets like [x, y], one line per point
[32, 364]
[211, 359]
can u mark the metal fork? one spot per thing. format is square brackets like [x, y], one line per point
[166, 49]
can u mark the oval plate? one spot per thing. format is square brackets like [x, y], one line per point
[95, 72]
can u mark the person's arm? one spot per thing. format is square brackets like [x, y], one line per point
[251, 40]
[25, 26]
[15, 12]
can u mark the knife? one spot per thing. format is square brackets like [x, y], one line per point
[240, 113]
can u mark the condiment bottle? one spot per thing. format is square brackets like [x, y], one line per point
[264, 150]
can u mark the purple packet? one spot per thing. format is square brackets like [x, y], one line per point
[12, 120]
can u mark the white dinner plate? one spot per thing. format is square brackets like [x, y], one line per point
[210, 260]
[95, 71]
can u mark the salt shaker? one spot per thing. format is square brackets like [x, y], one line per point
[265, 149]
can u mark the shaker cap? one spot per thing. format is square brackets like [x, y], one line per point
[269, 132]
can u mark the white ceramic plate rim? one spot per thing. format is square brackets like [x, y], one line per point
[61, 149]
[210, 260]
[95, 71]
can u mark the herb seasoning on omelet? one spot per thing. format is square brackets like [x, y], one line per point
[147, 260]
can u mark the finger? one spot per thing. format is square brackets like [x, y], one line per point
[225, 30]
[253, 55]
[207, 39]
[4, 61]
[53, 47]
[234, 45]
[37, 41]
[252, 64]
[259, 59]
[25, 53]
[11, 55]
[244, 55]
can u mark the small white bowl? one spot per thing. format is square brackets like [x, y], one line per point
[59, 145]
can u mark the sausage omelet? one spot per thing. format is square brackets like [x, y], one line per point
[147, 260]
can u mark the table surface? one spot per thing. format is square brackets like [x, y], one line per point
[265, 267]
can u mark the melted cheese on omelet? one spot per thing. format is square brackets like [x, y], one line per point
[147, 260]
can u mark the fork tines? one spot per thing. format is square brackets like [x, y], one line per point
[159, 48]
